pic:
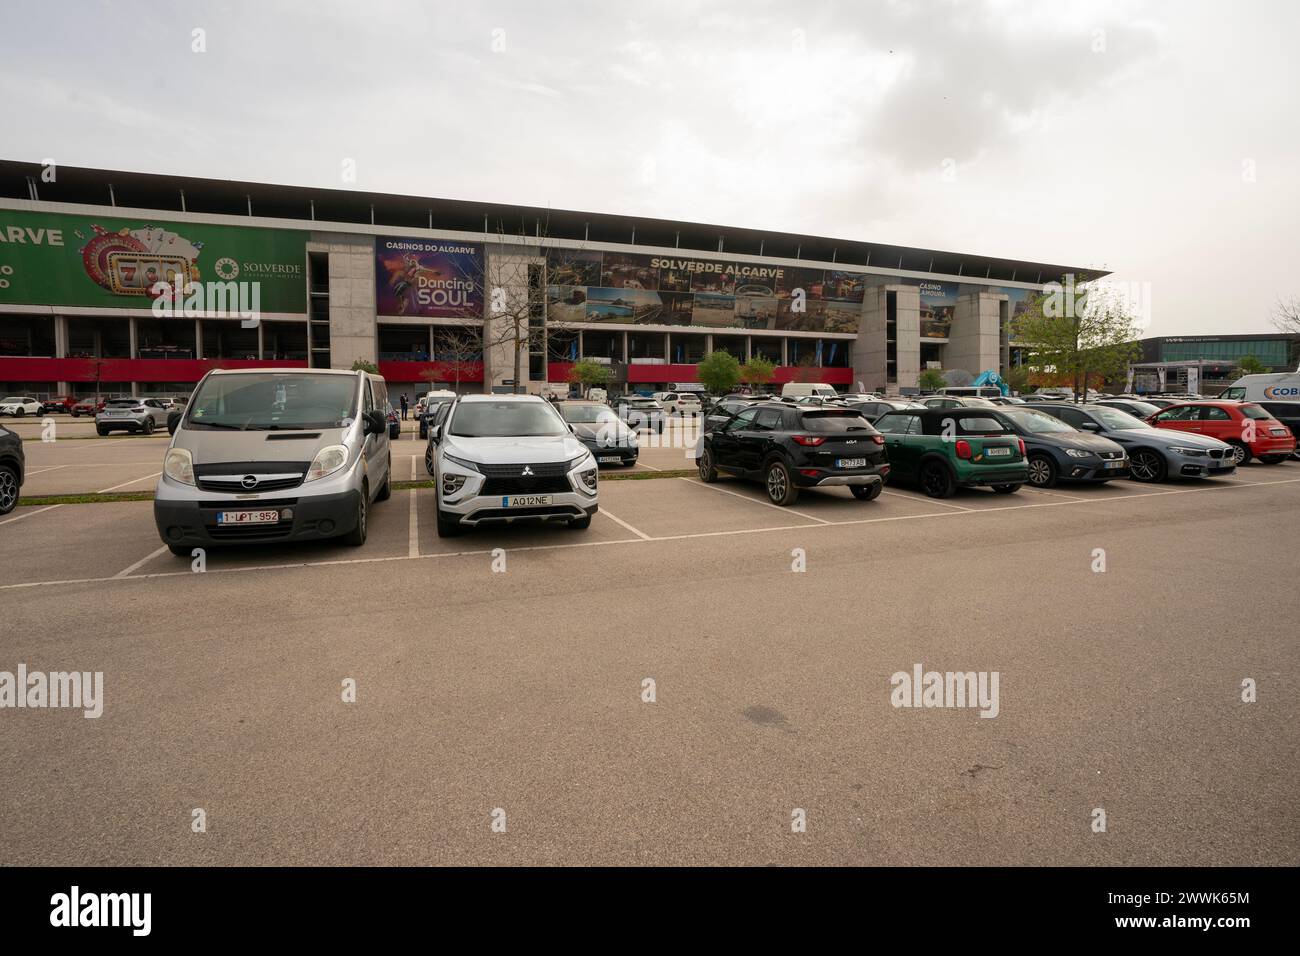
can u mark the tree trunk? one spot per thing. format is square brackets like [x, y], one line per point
[519, 345]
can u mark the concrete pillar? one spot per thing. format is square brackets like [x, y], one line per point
[975, 342]
[198, 338]
[785, 350]
[871, 350]
[353, 325]
[61, 346]
[261, 340]
[907, 333]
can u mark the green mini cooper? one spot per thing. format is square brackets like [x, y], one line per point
[943, 449]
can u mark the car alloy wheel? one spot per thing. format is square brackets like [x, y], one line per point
[1040, 472]
[1145, 465]
[705, 464]
[8, 490]
[1240, 453]
[935, 481]
[777, 483]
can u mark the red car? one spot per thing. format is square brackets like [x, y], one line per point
[1249, 429]
[87, 406]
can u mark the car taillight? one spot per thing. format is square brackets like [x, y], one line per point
[878, 439]
[808, 439]
[1021, 443]
[963, 448]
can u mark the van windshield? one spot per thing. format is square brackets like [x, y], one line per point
[267, 401]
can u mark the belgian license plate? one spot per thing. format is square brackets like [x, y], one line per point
[850, 463]
[248, 517]
[609, 459]
[526, 501]
[1000, 452]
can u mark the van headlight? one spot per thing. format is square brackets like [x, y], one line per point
[327, 461]
[179, 466]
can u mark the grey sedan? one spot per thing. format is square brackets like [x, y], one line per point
[1154, 453]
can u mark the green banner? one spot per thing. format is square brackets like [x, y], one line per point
[65, 260]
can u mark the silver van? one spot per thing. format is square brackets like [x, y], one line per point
[264, 455]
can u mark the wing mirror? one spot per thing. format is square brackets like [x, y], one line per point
[1091, 427]
[435, 434]
[173, 421]
[376, 423]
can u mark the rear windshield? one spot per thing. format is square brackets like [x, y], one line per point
[506, 420]
[120, 403]
[1255, 412]
[965, 424]
[835, 423]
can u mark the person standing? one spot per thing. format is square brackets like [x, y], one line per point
[404, 406]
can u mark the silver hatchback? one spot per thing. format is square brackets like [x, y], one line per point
[133, 415]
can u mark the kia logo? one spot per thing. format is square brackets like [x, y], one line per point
[249, 481]
[526, 473]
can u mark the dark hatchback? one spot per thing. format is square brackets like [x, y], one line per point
[12, 465]
[1061, 452]
[789, 447]
[1288, 413]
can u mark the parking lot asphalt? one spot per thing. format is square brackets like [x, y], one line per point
[522, 689]
[78, 462]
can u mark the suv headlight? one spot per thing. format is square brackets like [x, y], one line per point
[327, 461]
[179, 466]
[588, 479]
[1078, 453]
[461, 463]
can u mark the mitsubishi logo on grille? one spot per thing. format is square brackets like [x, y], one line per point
[527, 472]
[249, 481]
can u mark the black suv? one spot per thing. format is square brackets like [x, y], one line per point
[11, 469]
[789, 447]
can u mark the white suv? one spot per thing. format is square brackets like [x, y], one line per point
[19, 405]
[680, 404]
[508, 458]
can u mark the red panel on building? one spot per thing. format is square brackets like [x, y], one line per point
[20, 369]
[431, 371]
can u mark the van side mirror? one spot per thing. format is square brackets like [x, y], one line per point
[173, 421]
[376, 423]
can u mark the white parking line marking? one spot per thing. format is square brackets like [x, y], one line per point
[143, 561]
[413, 468]
[926, 499]
[619, 521]
[29, 514]
[413, 535]
[104, 491]
[37, 471]
[1054, 494]
[736, 494]
[643, 539]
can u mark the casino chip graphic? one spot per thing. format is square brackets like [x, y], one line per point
[133, 261]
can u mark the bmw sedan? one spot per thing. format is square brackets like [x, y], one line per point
[1154, 454]
[1061, 452]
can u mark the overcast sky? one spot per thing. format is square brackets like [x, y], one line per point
[1160, 140]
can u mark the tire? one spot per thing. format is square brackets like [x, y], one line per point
[937, 480]
[8, 488]
[101, 432]
[180, 550]
[1006, 489]
[147, 427]
[580, 524]
[357, 536]
[386, 489]
[867, 492]
[76, 414]
[1147, 465]
[1273, 460]
[708, 473]
[1042, 471]
[428, 460]
[780, 486]
[19, 412]
[1240, 453]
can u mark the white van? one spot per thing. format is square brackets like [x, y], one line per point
[799, 389]
[1275, 387]
[971, 391]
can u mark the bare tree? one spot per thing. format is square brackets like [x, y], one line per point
[458, 352]
[1286, 315]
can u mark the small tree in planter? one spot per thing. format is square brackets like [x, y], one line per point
[757, 371]
[588, 374]
[361, 365]
[931, 380]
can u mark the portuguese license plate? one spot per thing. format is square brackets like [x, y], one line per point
[850, 463]
[526, 501]
[1115, 463]
[1001, 451]
[248, 517]
[1277, 431]
[609, 459]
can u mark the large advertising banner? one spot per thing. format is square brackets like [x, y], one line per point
[938, 306]
[70, 260]
[641, 289]
[435, 278]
